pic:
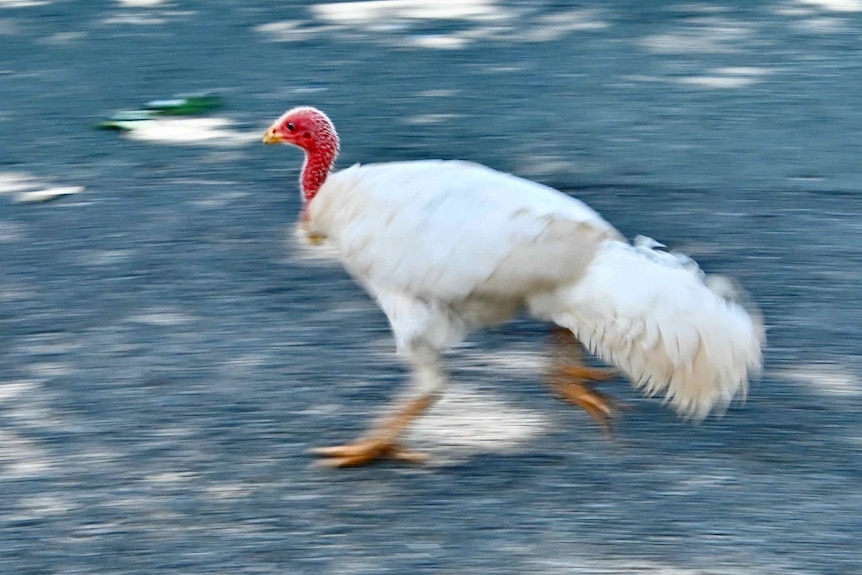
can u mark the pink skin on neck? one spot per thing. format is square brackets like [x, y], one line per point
[316, 168]
[321, 150]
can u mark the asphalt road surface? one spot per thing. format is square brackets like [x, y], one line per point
[168, 353]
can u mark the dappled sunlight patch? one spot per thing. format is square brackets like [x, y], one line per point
[8, 27]
[146, 13]
[174, 478]
[163, 318]
[705, 33]
[41, 505]
[13, 390]
[27, 188]
[438, 93]
[554, 26]
[822, 24]
[393, 22]
[547, 165]
[371, 12]
[20, 457]
[219, 132]
[141, 3]
[512, 362]
[706, 38]
[229, 491]
[425, 119]
[220, 200]
[729, 77]
[825, 379]
[742, 71]
[135, 19]
[291, 30]
[819, 16]
[571, 562]
[17, 181]
[23, 3]
[46, 346]
[716, 81]
[12, 291]
[99, 258]
[834, 5]
[439, 41]
[44, 195]
[12, 232]
[793, 10]
[63, 38]
[467, 421]
[49, 369]
[504, 69]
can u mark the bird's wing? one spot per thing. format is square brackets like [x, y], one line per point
[443, 230]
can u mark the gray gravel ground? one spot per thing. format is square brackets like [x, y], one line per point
[167, 352]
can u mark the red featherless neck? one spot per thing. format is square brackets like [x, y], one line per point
[315, 169]
[314, 132]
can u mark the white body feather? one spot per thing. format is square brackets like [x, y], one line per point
[446, 247]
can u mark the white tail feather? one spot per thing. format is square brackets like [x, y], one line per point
[657, 317]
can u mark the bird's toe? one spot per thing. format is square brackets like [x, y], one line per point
[365, 451]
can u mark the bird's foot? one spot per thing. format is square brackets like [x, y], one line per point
[365, 451]
[571, 385]
[570, 377]
[379, 443]
[581, 372]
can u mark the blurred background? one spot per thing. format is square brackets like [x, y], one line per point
[168, 353]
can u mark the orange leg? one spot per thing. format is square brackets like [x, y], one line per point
[380, 442]
[569, 377]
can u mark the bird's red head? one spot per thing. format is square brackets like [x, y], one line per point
[313, 131]
[306, 127]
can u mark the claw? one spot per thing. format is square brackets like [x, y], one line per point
[569, 377]
[364, 451]
[379, 443]
[588, 373]
[600, 406]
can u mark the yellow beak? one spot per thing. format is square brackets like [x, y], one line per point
[272, 137]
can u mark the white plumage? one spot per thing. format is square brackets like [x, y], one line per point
[447, 247]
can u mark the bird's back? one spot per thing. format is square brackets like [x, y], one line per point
[445, 229]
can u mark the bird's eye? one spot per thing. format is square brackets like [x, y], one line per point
[290, 127]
